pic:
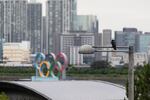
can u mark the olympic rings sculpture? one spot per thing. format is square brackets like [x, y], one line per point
[55, 64]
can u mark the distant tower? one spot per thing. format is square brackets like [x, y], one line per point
[87, 23]
[73, 15]
[44, 36]
[15, 20]
[126, 37]
[59, 16]
[34, 12]
[107, 37]
[1, 28]
[1, 19]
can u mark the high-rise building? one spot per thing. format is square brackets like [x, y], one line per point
[44, 36]
[127, 37]
[127, 29]
[15, 20]
[1, 28]
[34, 12]
[54, 13]
[107, 37]
[1, 18]
[68, 41]
[119, 38]
[59, 14]
[98, 43]
[73, 13]
[87, 23]
[1, 47]
[143, 42]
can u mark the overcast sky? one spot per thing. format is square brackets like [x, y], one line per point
[116, 14]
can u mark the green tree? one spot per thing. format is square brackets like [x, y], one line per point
[142, 84]
[100, 64]
[3, 96]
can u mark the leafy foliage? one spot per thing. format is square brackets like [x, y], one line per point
[3, 96]
[142, 84]
[100, 64]
[103, 71]
[16, 71]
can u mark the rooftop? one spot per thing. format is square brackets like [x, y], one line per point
[77, 90]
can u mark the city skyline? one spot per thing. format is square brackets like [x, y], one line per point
[61, 18]
[116, 14]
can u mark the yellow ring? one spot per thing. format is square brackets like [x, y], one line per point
[47, 65]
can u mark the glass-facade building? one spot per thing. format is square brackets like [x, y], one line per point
[73, 18]
[143, 42]
[87, 23]
[127, 37]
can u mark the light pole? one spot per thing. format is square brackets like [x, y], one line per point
[88, 49]
[131, 74]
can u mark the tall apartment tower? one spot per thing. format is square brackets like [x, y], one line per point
[34, 22]
[15, 20]
[44, 36]
[1, 28]
[98, 43]
[1, 19]
[87, 23]
[107, 37]
[59, 16]
[73, 13]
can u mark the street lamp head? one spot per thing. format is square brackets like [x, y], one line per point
[86, 49]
